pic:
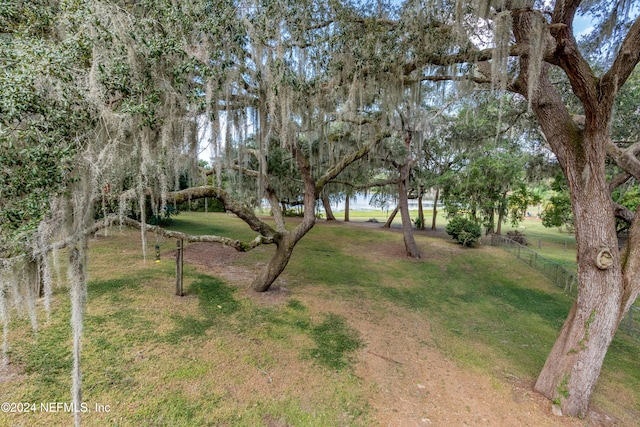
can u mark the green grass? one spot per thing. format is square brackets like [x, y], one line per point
[216, 304]
[558, 246]
[200, 223]
[334, 340]
[147, 361]
[551, 243]
[484, 309]
[219, 357]
[46, 357]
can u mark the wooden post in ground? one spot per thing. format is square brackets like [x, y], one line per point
[179, 251]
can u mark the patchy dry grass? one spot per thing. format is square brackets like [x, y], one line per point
[212, 357]
[354, 335]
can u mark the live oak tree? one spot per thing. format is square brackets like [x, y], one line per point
[607, 277]
[539, 36]
[142, 78]
[137, 80]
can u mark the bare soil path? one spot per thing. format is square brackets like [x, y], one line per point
[407, 380]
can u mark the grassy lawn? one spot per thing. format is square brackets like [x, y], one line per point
[551, 243]
[220, 356]
[559, 246]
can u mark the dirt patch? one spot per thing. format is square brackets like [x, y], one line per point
[412, 383]
[406, 378]
[9, 373]
[209, 254]
[218, 259]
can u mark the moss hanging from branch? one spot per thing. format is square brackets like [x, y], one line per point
[78, 284]
[537, 47]
[500, 56]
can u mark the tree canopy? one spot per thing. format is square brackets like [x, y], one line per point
[106, 105]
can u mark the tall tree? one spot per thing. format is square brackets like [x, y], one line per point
[539, 36]
[135, 78]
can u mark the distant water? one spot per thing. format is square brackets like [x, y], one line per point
[360, 202]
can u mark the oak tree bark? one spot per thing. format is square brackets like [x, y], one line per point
[420, 211]
[326, 203]
[346, 209]
[411, 248]
[607, 279]
[410, 245]
[392, 216]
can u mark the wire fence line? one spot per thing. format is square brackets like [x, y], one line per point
[560, 276]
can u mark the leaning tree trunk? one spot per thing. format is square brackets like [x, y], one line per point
[326, 203]
[276, 265]
[285, 241]
[387, 224]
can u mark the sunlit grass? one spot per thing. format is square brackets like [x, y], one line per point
[559, 246]
[216, 357]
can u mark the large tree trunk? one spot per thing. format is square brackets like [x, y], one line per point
[285, 242]
[276, 265]
[326, 203]
[407, 230]
[573, 366]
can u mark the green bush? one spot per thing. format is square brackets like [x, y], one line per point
[418, 222]
[455, 226]
[463, 230]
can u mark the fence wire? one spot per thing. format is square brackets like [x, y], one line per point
[561, 277]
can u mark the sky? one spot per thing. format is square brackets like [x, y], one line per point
[582, 25]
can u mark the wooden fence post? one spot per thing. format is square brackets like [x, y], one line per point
[179, 251]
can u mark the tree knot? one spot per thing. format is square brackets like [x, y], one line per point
[604, 259]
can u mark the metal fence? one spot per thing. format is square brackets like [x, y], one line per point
[561, 277]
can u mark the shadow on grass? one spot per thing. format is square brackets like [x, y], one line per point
[195, 227]
[550, 308]
[216, 302]
[98, 288]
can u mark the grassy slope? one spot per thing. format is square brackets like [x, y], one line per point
[161, 360]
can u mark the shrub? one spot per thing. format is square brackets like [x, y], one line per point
[418, 222]
[463, 230]
[455, 226]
